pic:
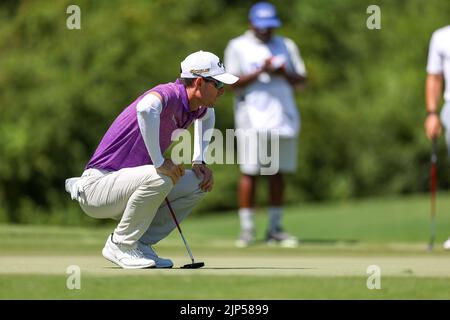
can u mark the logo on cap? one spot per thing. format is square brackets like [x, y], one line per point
[198, 71]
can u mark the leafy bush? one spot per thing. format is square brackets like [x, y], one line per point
[362, 111]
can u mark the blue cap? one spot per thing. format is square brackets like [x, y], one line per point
[264, 15]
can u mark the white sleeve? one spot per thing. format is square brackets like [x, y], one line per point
[148, 112]
[231, 59]
[201, 142]
[435, 63]
[294, 54]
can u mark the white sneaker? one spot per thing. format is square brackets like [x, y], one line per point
[284, 239]
[246, 238]
[127, 257]
[446, 244]
[150, 254]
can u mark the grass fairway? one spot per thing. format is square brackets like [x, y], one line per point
[339, 242]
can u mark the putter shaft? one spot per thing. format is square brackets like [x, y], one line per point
[433, 178]
[179, 229]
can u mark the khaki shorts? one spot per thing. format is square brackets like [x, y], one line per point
[262, 156]
[445, 120]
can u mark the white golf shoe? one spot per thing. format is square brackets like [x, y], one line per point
[151, 254]
[127, 257]
[446, 244]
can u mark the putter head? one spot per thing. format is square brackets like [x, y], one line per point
[194, 265]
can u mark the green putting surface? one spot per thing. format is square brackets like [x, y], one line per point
[339, 242]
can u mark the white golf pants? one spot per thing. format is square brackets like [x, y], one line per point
[135, 196]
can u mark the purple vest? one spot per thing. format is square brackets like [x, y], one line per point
[122, 145]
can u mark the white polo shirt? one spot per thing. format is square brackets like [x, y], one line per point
[439, 57]
[269, 102]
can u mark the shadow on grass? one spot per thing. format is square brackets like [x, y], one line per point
[255, 268]
[220, 268]
[329, 241]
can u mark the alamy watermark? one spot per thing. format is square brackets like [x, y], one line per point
[260, 149]
[74, 279]
[74, 20]
[374, 20]
[374, 279]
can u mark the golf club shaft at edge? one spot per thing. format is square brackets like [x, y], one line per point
[433, 178]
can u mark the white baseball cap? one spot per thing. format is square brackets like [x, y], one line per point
[205, 64]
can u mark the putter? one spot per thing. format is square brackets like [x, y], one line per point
[433, 178]
[193, 265]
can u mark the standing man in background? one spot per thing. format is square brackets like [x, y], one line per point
[438, 71]
[269, 67]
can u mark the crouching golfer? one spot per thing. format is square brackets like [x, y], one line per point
[127, 178]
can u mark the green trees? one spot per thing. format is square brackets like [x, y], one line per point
[362, 111]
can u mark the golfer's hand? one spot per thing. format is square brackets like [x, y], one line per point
[432, 126]
[204, 173]
[168, 168]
